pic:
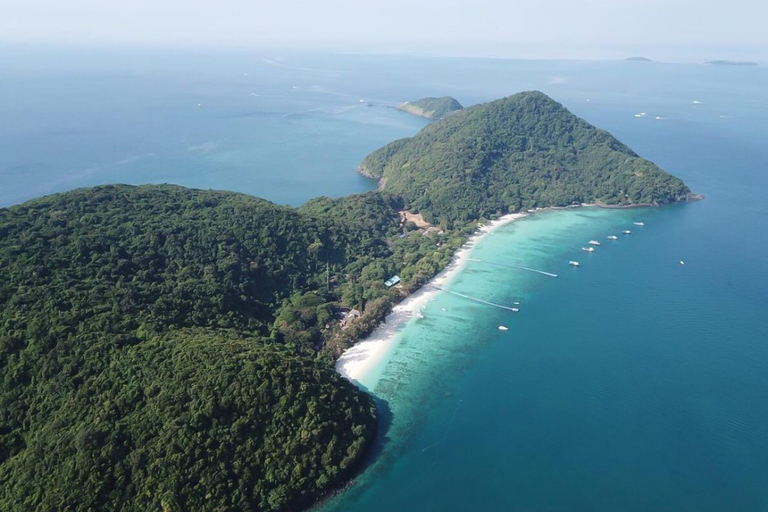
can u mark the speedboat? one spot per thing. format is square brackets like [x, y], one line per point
[573, 263]
[515, 310]
[627, 232]
[588, 249]
[594, 242]
[503, 328]
[612, 237]
[639, 223]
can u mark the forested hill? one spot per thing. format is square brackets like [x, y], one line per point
[141, 366]
[518, 152]
[431, 108]
[171, 349]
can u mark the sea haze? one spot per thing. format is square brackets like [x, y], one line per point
[632, 383]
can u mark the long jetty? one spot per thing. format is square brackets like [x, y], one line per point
[481, 301]
[518, 267]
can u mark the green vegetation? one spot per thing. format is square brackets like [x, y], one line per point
[171, 349]
[431, 108]
[518, 152]
[191, 420]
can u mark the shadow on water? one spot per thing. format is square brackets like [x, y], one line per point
[384, 423]
[356, 484]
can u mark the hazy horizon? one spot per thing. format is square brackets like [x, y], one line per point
[676, 30]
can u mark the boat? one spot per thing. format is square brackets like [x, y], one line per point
[588, 249]
[420, 315]
[573, 263]
[627, 232]
[515, 310]
[612, 237]
[639, 223]
[682, 262]
[503, 328]
[594, 242]
[444, 309]
[515, 303]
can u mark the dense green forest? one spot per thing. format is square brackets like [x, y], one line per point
[431, 108]
[171, 349]
[519, 152]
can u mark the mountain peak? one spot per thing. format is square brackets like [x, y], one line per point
[514, 153]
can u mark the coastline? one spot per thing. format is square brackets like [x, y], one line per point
[361, 362]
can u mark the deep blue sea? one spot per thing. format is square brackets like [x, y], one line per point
[631, 383]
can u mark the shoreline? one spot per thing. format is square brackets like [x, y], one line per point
[358, 362]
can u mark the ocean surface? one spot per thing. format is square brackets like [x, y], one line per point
[631, 383]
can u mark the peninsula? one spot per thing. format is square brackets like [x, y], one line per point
[431, 108]
[520, 152]
[164, 348]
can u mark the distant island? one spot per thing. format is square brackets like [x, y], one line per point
[731, 63]
[638, 59]
[164, 348]
[431, 108]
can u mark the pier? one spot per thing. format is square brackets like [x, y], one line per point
[518, 267]
[481, 301]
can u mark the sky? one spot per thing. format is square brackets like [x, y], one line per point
[534, 28]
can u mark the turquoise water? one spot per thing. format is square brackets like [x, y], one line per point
[630, 383]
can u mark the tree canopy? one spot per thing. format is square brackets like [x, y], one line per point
[431, 108]
[522, 151]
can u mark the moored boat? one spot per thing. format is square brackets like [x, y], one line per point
[573, 263]
[639, 223]
[627, 232]
[594, 242]
[503, 328]
[612, 237]
[588, 249]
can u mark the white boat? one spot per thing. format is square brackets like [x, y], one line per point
[503, 328]
[588, 249]
[515, 303]
[627, 232]
[682, 262]
[420, 314]
[639, 223]
[444, 309]
[594, 242]
[573, 263]
[612, 237]
[515, 310]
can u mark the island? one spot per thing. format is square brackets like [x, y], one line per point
[732, 63]
[638, 59]
[431, 108]
[165, 348]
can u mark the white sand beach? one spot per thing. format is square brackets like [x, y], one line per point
[366, 356]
